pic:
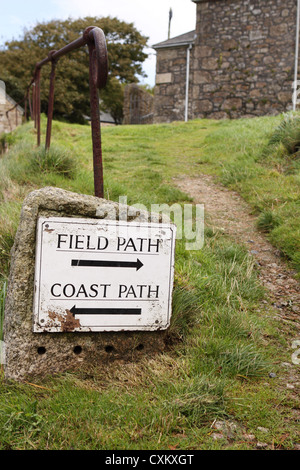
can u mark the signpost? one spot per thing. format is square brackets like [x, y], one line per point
[102, 275]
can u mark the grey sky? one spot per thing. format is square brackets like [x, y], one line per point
[149, 17]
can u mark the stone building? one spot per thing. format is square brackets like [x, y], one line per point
[14, 118]
[239, 62]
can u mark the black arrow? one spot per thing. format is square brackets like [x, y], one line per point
[107, 264]
[105, 311]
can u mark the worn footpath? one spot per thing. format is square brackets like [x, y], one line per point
[229, 212]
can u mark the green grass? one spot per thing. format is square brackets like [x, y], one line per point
[255, 157]
[2, 305]
[223, 341]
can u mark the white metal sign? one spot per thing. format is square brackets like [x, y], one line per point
[99, 275]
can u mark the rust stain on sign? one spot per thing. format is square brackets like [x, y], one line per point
[68, 322]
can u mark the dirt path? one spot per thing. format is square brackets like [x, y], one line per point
[231, 213]
[228, 211]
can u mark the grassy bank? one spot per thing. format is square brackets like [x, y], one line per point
[251, 157]
[223, 341]
[237, 152]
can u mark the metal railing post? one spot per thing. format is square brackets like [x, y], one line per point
[38, 105]
[50, 102]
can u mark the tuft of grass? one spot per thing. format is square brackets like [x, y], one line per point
[236, 173]
[267, 221]
[200, 399]
[22, 418]
[185, 306]
[54, 160]
[241, 360]
[287, 134]
[229, 357]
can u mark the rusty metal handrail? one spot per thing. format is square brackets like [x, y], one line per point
[94, 38]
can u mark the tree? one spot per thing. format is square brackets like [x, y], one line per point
[125, 54]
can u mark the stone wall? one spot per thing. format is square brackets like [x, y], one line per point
[14, 117]
[169, 97]
[244, 58]
[138, 105]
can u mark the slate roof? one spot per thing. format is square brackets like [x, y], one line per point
[106, 117]
[182, 40]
